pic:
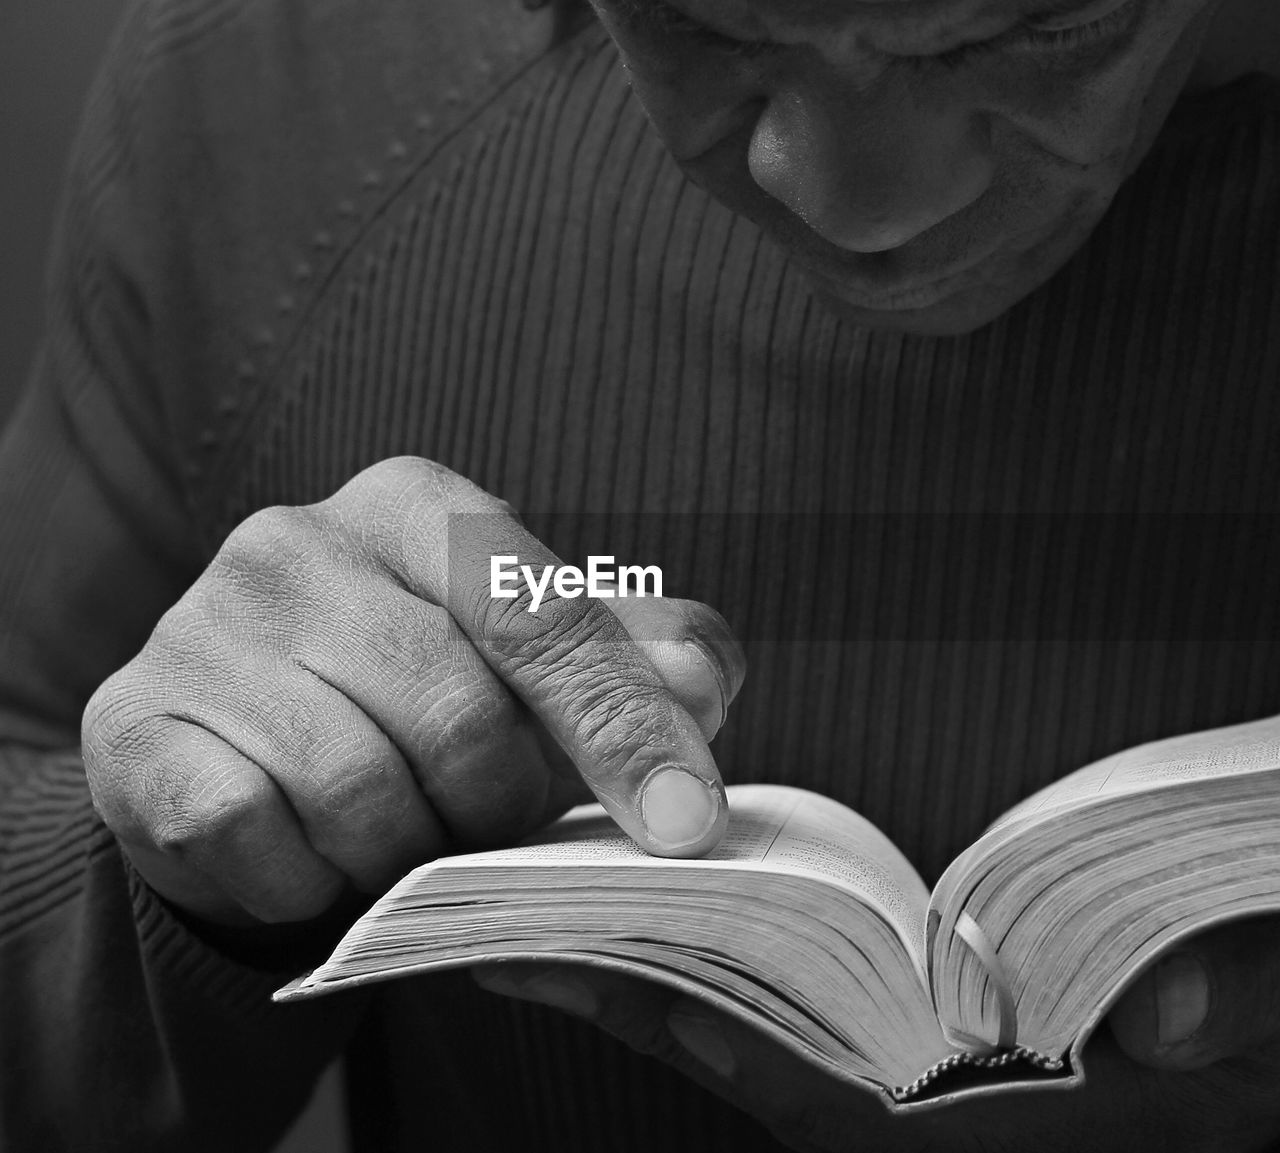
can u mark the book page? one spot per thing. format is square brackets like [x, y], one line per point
[1249, 748]
[813, 927]
[587, 834]
[773, 827]
[822, 838]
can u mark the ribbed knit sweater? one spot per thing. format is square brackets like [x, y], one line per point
[299, 238]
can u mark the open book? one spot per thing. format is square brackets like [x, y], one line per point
[809, 923]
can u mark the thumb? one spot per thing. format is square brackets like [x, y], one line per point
[1216, 996]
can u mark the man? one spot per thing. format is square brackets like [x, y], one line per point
[338, 289]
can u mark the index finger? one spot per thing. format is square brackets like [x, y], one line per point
[569, 659]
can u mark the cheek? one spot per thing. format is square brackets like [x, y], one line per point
[1101, 122]
[694, 96]
[1059, 140]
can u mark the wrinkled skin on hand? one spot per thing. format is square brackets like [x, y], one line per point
[339, 698]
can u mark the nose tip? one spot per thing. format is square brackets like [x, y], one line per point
[865, 186]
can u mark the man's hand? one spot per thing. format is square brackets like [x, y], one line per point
[339, 698]
[1193, 1065]
[1214, 998]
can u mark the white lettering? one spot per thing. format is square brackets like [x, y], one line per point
[538, 588]
[498, 577]
[628, 572]
[569, 581]
[600, 579]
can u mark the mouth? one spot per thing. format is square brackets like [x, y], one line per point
[911, 298]
[1004, 272]
[881, 283]
[876, 285]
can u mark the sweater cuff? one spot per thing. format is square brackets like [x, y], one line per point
[236, 969]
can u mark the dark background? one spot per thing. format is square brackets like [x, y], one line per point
[49, 50]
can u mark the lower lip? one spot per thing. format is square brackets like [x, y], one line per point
[906, 300]
[912, 300]
[935, 292]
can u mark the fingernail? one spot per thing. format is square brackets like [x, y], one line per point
[1182, 998]
[721, 705]
[703, 1040]
[678, 809]
[561, 993]
[495, 980]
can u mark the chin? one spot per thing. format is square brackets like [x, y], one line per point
[958, 314]
[974, 301]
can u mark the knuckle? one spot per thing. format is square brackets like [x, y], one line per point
[269, 531]
[609, 716]
[394, 473]
[391, 482]
[517, 637]
[268, 543]
[350, 787]
[481, 770]
[361, 808]
[208, 813]
[369, 826]
[104, 716]
[119, 733]
[153, 784]
[464, 714]
[199, 639]
[174, 836]
[396, 512]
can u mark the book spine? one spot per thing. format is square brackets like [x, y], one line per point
[1020, 1053]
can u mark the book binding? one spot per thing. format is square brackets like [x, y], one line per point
[904, 1094]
